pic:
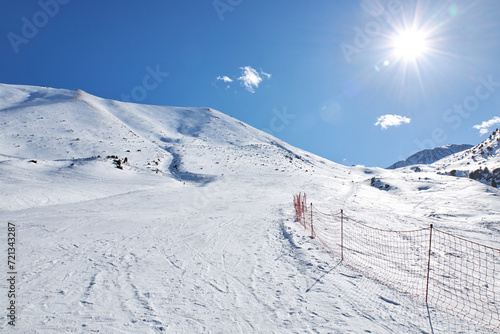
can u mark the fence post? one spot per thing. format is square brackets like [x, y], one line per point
[428, 265]
[313, 235]
[342, 235]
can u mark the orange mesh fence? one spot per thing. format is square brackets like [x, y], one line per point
[326, 230]
[464, 279]
[448, 272]
[299, 202]
[395, 258]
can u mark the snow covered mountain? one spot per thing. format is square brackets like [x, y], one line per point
[430, 156]
[147, 219]
[73, 125]
[481, 162]
[69, 131]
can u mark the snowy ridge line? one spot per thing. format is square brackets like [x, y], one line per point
[450, 273]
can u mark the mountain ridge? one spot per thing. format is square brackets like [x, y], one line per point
[429, 156]
[480, 163]
[185, 143]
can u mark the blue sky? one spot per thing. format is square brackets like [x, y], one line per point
[318, 74]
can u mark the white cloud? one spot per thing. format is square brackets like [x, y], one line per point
[225, 78]
[266, 74]
[250, 78]
[484, 127]
[386, 121]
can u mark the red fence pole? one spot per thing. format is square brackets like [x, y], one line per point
[428, 265]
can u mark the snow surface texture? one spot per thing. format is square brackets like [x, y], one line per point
[430, 156]
[194, 232]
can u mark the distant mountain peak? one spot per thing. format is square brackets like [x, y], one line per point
[489, 147]
[429, 156]
[481, 162]
[486, 152]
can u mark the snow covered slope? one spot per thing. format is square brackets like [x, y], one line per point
[480, 163]
[63, 131]
[430, 156]
[148, 219]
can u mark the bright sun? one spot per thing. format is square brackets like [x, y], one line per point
[410, 45]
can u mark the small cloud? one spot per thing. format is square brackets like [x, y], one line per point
[267, 75]
[484, 127]
[386, 121]
[225, 78]
[250, 78]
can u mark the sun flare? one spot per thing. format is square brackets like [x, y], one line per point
[410, 45]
